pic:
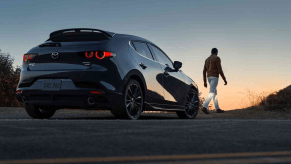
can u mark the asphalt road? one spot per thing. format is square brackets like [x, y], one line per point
[156, 138]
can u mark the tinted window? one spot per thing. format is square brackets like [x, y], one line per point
[143, 49]
[161, 57]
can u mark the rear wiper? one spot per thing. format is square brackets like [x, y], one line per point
[50, 45]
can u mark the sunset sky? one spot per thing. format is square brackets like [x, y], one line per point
[253, 37]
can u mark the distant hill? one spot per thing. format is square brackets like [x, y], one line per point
[278, 101]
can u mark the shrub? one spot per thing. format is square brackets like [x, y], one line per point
[9, 78]
[278, 101]
[201, 100]
[269, 101]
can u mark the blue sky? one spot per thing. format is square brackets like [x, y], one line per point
[253, 37]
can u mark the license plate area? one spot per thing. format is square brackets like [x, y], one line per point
[52, 85]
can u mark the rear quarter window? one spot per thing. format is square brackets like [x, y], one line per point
[143, 49]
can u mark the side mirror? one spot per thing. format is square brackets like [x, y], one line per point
[177, 65]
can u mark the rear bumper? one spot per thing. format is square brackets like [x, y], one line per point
[74, 91]
[70, 98]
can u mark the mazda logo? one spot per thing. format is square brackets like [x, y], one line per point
[55, 55]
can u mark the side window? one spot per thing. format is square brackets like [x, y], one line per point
[143, 49]
[131, 44]
[161, 57]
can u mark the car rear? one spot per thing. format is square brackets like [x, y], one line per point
[73, 68]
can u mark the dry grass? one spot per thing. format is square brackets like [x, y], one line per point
[278, 101]
[253, 98]
[269, 101]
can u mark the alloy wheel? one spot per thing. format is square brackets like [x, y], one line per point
[134, 101]
[192, 104]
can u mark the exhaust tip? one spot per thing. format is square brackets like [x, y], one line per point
[23, 99]
[91, 101]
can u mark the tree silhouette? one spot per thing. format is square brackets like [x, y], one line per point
[9, 78]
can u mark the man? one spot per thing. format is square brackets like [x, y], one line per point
[213, 69]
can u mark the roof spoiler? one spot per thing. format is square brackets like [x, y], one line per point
[55, 33]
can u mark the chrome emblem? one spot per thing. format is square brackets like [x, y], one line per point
[55, 55]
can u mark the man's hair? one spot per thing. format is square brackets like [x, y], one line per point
[214, 51]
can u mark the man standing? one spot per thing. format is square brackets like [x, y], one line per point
[213, 68]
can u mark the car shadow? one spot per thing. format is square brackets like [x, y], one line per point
[108, 116]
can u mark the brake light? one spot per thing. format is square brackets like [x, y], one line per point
[108, 54]
[19, 91]
[27, 57]
[89, 54]
[96, 92]
[99, 54]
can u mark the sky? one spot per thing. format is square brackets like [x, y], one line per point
[252, 36]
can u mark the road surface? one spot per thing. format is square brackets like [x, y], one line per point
[92, 137]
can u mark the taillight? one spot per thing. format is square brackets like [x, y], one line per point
[96, 92]
[108, 54]
[27, 57]
[19, 91]
[99, 54]
[89, 54]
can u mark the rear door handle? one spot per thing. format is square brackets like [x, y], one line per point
[143, 66]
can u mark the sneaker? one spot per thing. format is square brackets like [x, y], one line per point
[205, 110]
[219, 111]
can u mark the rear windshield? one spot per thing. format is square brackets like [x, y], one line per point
[80, 36]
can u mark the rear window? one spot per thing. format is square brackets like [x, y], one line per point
[79, 36]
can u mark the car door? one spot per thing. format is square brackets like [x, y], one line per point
[150, 70]
[173, 81]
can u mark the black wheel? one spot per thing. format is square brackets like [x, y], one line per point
[39, 112]
[132, 106]
[191, 107]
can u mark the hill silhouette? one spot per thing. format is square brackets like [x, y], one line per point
[278, 101]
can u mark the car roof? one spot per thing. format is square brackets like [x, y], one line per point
[133, 37]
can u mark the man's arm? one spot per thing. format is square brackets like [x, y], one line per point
[204, 75]
[220, 71]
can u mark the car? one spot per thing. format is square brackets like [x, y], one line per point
[86, 68]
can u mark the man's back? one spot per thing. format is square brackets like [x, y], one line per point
[213, 66]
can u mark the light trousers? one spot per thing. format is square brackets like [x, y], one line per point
[213, 82]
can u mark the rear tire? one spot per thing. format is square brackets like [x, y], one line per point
[39, 113]
[133, 102]
[191, 107]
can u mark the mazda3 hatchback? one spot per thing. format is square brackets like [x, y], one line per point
[95, 69]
